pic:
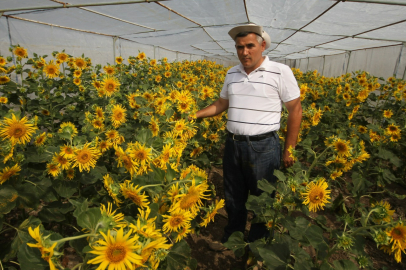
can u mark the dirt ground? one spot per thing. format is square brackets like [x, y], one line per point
[209, 259]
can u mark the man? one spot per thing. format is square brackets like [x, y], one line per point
[253, 93]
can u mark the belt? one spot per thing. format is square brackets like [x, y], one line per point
[252, 137]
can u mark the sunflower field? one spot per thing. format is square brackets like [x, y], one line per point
[110, 161]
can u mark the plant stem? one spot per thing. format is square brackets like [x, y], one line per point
[11, 226]
[74, 238]
[315, 160]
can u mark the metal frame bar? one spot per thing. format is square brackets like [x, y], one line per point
[246, 11]
[82, 5]
[397, 3]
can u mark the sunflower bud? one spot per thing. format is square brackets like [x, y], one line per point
[345, 242]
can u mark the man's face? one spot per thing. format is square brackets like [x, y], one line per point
[249, 51]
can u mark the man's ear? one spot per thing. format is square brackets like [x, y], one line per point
[263, 45]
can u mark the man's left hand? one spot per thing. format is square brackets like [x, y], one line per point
[287, 160]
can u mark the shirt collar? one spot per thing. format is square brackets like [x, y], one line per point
[263, 65]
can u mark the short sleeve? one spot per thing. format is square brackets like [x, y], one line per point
[289, 90]
[224, 90]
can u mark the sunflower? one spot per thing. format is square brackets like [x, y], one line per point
[61, 161]
[77, 73]
[112, 188]
[392, 129]
[196, 152]
[4, 79]
[18, 131]
[397, 236]
[97, 85]
[362, 129]
[118, 115]
[336, 174]
[20, 51]
[51, 70]
[395, 137]
[67, 151]
[40, 139]
[176, 220]
[53, 169]
[3, 61]
[141, 56]
[80, 63]
[134, 193]
[109, 70]
[46, 252]
[387, 113]
[124, 160]
[316, 117]
[191, 200]
[154, 126]
[63, 57]
[98, 123]
[77, 81]
[140, 153]
[158, 78]
[9, 172]
[153, 62]
[113, 219]
[316, 195]
[342, 147]
[119, 60]
[68, 128]
[85, 158]
[3, 100]
[382, 212]
[212, 212]
[110, 85]
[117, 252]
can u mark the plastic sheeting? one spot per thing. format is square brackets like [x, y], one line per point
[333, 37]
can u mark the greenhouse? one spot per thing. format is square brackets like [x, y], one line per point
[107, 161]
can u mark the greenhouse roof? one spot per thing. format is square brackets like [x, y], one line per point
[298, 28]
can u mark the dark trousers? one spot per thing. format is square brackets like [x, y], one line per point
[244, 163]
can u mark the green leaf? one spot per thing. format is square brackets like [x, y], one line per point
[179, 256]
[236, 243]
[143, 136]
[266, 186]
[345, 265]
[276, 256]
[89, 218]
[358, 182]
[297, 228]
[169, 113]
[393, 194]
[280, 175]
[30, 258]
[389, 176]
[170, 173]
[7, 200]
[81, 206]
[65, 188]
[388, 155]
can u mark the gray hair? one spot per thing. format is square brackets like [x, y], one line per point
[244, 34]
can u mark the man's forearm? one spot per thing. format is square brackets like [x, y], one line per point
[214, 109]
[293, 127]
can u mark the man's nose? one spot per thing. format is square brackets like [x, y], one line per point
[245, 51]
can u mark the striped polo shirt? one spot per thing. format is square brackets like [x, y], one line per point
[255, 100]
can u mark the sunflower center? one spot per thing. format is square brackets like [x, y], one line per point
[189, 200]
[17, 130]
[316, 195]
[110, 86]
[140, 155]
[84, 156]
[134, 197]
[175, 221]
[116, 253]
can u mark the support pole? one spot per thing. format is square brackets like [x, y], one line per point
[114, 48]
[324, 62]
[401, 62]
[81, 5]
[348, 62]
